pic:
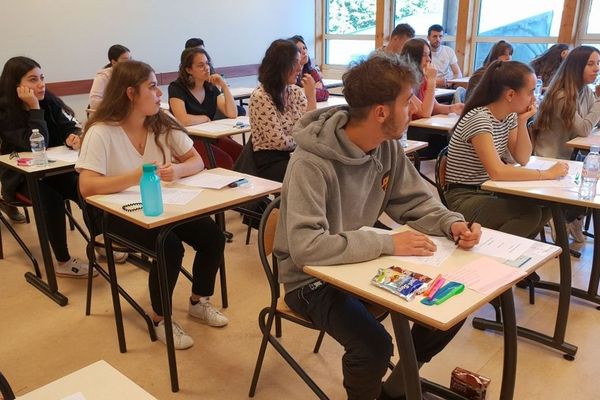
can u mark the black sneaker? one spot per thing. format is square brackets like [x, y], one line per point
[13, 213]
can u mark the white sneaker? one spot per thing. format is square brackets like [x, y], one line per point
[181, 339]
[575, 229]
[119, 256]
[73, 269]
[208, 314]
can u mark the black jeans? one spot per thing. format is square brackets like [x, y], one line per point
[367, 344]
[203, 235]
[54, 190]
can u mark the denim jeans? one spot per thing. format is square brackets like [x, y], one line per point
[368, 346]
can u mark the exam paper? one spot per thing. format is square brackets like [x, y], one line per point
[485, 275]
[445, 247]
[169, 196]
[62, 153]
[209, 180]
[502, 245]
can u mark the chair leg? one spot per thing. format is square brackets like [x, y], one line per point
[70, 213]
[266, 331]
[1, 247]
[223, 277]
[277, 326]
[319, 341]
[248, 233]
[26, 212]
[531, 292]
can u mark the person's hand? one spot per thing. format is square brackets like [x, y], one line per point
[467, 237]
[430, 73]
[73, 141]
[412, 243]
[309, 85]
[27, 96]
[530, 112]
[456, 108]
[167, 172]
[217, 80]
[558, 170]
[597, 91]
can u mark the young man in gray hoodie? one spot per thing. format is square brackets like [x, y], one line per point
[347, 170]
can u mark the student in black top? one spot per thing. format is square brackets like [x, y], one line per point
[196, 95]
[25, 105]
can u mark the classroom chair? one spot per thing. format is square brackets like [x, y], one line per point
[278, 310]
[5, 389]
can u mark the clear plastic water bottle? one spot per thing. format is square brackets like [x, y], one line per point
[404, 139]
[538, 89]
[38, 148]
[151, 193]
[589, 174]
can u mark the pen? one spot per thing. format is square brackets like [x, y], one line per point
[237, 183]
[469, 224]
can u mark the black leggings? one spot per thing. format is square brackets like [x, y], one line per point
[54, 190]
[203, 235]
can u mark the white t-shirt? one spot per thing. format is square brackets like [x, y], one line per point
[107, 150]
[442, 59]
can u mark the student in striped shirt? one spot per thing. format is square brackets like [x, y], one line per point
[492, 124]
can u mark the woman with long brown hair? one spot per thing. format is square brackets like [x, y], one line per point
[126, 131]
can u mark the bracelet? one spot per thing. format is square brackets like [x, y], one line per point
[131, 207]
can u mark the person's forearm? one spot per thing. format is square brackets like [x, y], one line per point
[230, 106]
[92, 185]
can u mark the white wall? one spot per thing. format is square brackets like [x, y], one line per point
[70, 38]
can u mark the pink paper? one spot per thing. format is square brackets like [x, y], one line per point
[485, 275]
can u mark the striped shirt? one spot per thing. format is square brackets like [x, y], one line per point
[463, 164]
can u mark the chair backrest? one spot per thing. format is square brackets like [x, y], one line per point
[5, 389]
[222, 159]
[440, 174]
[266, 237]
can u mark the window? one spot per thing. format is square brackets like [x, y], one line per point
[421, 14]
[589, 31]
[593, 24]
[531, 30]
[349, 30]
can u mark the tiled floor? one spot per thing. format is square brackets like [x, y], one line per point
[40, 341]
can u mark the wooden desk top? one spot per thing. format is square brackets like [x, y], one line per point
[332, 101]
[444, 92]
[220, 128]
[54, 166]
[414, 145]
[585, 143]
[241, 92]
[464, 81]
[440, 122]
[98, 381]
[209, 201]
[356, 279]
[563, 191]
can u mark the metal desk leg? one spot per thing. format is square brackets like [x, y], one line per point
[509, 369]
[165, 300]
[50, 289]
[557, 341]
[408, 359]
[114, 288]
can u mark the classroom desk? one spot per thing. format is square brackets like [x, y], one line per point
[333, 101]
[441, 122]
[585, 143]
[413, 146]
[463, 82]
[97, 381]
[220, 128]
[241, 93]
[332, 83]
[555, 197]
[356, 279]
[32, 174]
[208, 203]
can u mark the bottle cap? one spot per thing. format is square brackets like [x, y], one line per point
[149, 167]
[595, 149]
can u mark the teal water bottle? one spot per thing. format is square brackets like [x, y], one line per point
[151, 194]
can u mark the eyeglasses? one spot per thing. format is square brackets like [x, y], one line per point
[14, 154]
[202, 65]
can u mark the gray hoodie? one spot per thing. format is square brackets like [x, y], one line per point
[332, 188]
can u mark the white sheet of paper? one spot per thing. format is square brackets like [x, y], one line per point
[485, 275]
[539, 164]
[75, 396]
[501, 245]
[62, 153]
[445, 247]
[169, 196]
[209, 180]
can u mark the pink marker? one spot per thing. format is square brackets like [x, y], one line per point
[436, 287]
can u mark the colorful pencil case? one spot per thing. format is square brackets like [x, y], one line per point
[401, 282]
